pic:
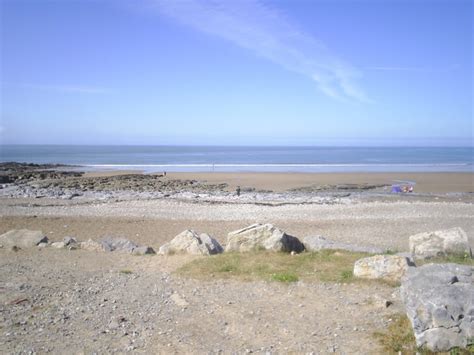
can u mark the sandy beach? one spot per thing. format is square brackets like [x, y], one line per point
[349, 208]
[424, 182]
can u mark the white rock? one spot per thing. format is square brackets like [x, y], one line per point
[58, 245]
[91, 245]
[189, 242]
[385, 267]
[452, 241]
[262, 237]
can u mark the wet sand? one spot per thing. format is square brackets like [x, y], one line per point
[425, 182]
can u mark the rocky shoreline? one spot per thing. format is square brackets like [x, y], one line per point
[52, 181]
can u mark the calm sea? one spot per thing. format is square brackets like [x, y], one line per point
[233, 159]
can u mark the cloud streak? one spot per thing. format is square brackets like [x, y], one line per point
[268, 33]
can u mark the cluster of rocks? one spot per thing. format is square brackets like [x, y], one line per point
[135, 182]
[23, 238]
[255, 237]
[439, 298]
[442, 243]
[60, 181]
[19, 180]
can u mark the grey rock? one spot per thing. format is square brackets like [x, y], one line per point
[452, 241]
[190, 242]
[439, 300]
[317, 243]
[262, 236]
[22, 238]
[384, 267]
[143, 250]
[118, 244]
[69, 240]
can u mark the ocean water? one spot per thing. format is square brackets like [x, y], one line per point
[238, 159]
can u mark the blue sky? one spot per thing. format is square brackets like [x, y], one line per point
[228, 72]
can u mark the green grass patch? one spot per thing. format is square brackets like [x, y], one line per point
[126, 272]
[326, 265]
[285, 277]
[399, 339]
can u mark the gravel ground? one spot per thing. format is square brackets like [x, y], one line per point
[78, 301]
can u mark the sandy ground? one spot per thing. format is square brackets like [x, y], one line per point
[425, 182]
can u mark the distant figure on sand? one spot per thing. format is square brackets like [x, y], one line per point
[238, 190]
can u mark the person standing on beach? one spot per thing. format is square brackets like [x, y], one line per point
[238, 190]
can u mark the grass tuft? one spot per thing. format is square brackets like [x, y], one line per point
[398, 337]
[326, 265]
[126, 272]
[285, 277]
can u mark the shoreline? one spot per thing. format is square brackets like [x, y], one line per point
[42, 182]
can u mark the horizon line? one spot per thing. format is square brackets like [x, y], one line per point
[243, 145]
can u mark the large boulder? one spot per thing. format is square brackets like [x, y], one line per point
[22, 238]
[439, 300]
[384, 267]
[190, 242]
[317, 243]
[452, 241]
[262, 237]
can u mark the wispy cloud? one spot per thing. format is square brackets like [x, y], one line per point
[61, 88]
[269, 34]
